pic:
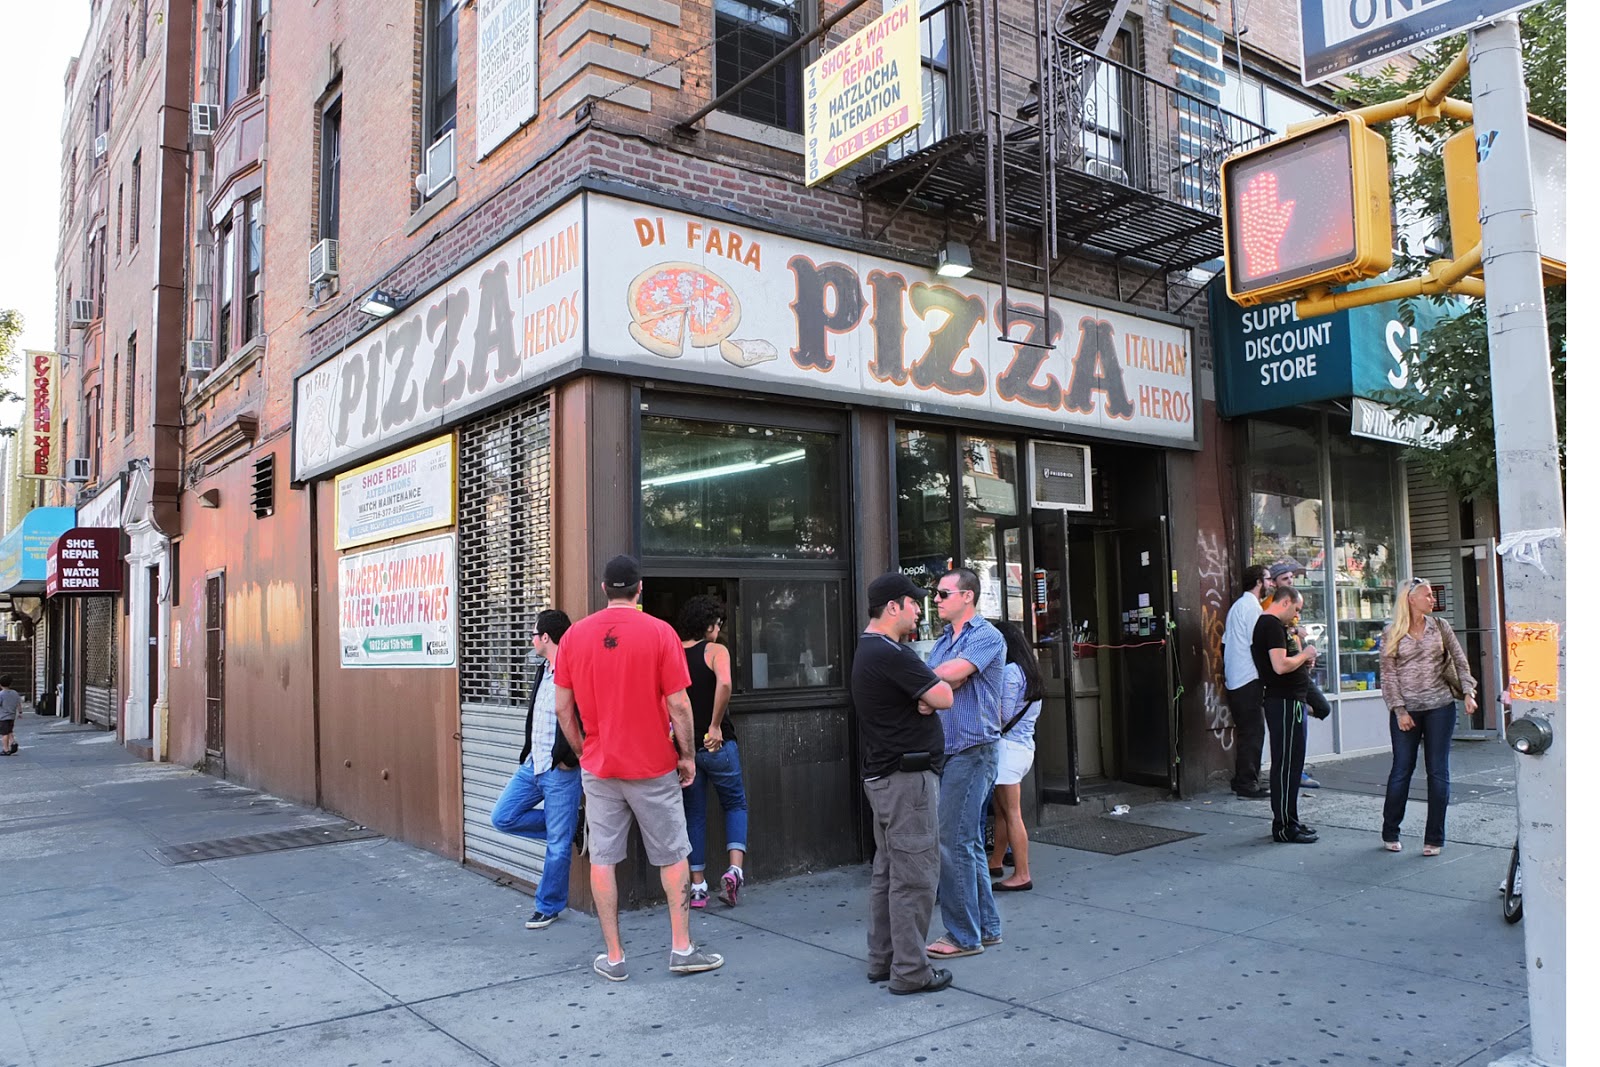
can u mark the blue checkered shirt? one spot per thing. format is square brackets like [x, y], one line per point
[974, 718]
[544, 722]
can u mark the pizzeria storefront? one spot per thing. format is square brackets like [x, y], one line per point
[774, 421]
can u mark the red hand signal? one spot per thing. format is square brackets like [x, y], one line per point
[1264, 221]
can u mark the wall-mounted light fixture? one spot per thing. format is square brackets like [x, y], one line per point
[955, 260]
[380, 304]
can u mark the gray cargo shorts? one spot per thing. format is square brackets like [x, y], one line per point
[614, 804]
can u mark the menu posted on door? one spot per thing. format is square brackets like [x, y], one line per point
[397, 605]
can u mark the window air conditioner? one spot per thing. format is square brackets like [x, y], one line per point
[78, 469]
[204, 119]
[1060, 475]
[323, 262]
[200, 361]
[82, 313]
[439, 166]
[100, 146]
[1102, 169]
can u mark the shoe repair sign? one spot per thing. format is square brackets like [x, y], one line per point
[397, 605]
[864, 93]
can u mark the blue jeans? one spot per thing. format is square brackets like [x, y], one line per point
[966, 896]
[721, 771]
[1432, 734]
[554, 824]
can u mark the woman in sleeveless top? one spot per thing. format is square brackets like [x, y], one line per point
[1021, 694]
[716, 749]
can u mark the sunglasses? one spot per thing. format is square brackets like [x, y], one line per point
[945, 594]
[1418, 581]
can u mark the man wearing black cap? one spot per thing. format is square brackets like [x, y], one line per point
[626, 670]
[902, 749]
[1282, 575]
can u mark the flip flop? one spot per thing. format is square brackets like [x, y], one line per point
[946, 949]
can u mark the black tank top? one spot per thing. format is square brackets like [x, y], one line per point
[703, 696]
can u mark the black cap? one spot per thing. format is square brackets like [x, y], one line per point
[890, 587]
[622, 572]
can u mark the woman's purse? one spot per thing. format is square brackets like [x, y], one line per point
[1452, 674]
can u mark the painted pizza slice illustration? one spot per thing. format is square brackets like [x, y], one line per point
[678, 305]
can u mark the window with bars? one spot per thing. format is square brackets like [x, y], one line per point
[505, 567]
[133, 203]
[749, 33]
[127, 393]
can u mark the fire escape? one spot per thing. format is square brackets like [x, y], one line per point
[1047, 145]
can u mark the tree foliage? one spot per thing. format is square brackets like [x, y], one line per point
[1450, 362]
[10, 355]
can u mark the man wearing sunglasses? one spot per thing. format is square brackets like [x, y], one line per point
[970, 655]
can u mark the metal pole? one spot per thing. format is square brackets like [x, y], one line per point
[1530, 500]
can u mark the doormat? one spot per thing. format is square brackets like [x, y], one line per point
[1108, 835]
[223, 848]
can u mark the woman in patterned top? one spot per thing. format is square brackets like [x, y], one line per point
[1419, 652]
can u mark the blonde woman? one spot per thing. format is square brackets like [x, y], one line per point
[1418, 652]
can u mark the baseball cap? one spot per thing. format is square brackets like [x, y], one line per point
[622, 572]
[1285, 566]
[889, 587]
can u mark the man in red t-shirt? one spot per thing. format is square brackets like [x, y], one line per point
[627, 671]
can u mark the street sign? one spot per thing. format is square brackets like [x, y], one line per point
[1548, 165]
[1337, 36]
[1305, 210]
[864, 93]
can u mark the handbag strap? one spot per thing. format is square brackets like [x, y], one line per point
[1006, 729]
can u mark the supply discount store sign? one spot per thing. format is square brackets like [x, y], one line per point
[864, 93]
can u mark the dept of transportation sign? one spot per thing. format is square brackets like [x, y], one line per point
[1337, 36]
[864, 93]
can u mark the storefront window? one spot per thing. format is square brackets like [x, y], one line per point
[922, 462]
[795, 639]
[1365, 557]
[1286, 516]
[989, 509]
[715, 489]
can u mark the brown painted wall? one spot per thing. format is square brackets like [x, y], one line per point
[390, 745]
[268, 705]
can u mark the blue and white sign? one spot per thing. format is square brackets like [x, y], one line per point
[1337, 36]
[23, 551]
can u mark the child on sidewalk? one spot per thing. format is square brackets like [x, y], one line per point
[10, 704]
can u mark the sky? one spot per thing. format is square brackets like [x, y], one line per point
[39, 40]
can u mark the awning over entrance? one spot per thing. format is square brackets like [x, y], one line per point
[84, 561]
[23, 551]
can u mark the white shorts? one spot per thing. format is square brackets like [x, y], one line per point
[1015, 762]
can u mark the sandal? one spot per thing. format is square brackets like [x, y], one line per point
[946, 949]
[1392, 846]
[1432, 850]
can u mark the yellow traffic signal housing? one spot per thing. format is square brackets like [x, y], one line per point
[1548, 148]
[1309, 209]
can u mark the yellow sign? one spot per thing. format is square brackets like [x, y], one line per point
[1532, 649]
[399, 495]
[41, 451]
[864, 93]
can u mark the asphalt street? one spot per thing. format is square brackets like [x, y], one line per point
[1219, 949]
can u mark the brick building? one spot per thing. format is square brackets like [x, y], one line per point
[476, 295]
[120, 284]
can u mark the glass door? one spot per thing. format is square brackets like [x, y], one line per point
[1050, 615]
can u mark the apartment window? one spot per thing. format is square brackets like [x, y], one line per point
[252, 268]
[258, 36]
[328, 202]
[97, 270]
[91, 422]
[144, 28]
[225, 272]
[72, 185]
[1264, 103]
[119, 218]
[66, 315]
[111, 409]
[749, 33]
[442, 46]
[133, 205]
[234, 52]
[128, 391]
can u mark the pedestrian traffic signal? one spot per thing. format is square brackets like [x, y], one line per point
[1309, 209]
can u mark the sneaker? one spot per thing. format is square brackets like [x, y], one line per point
[614, 972]
[693, 962]
[732, 882]
[699, 896]
[539, 920]
[1308, 782]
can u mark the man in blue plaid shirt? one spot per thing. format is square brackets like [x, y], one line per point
[971, 656]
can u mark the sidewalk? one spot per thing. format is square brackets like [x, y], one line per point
[1219, 949]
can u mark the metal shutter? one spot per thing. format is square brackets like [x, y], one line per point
[505, 581]
[1428, 507]
[100, 660]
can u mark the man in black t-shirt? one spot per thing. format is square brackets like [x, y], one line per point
[1285, 680]
[902, 748]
